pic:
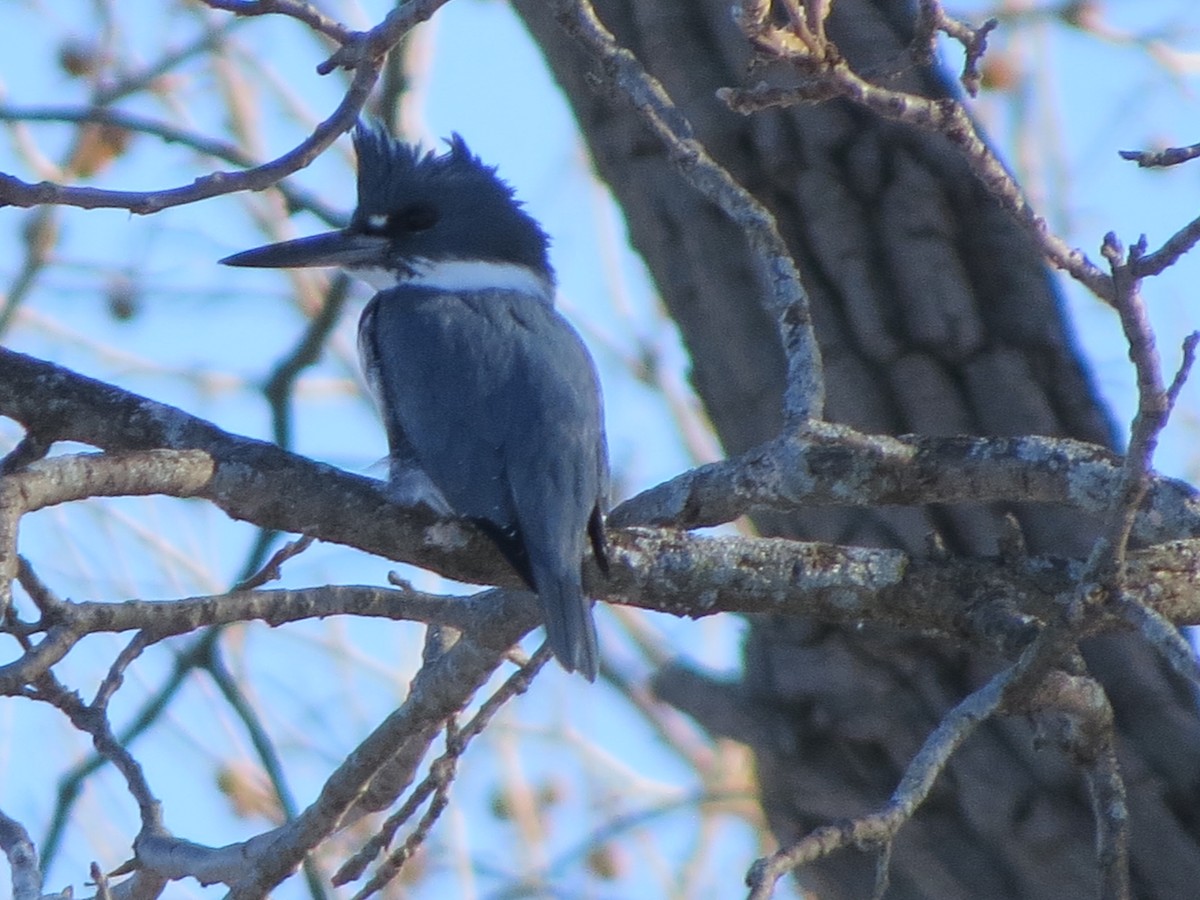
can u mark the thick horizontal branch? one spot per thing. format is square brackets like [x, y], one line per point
[830, 465]
[253, 481]
[977, 600]
[258, 482]
[993, 603]
[998, 604]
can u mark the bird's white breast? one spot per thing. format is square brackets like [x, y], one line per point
[460, 276]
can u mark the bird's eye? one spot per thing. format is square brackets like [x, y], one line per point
[377, 223]
[418, 217]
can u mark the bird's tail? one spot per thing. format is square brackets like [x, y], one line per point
[569, 625]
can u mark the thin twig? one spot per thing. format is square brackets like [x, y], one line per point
[1107, 788]
[116, 672]
[271, 570]
[364, 53]
[1169, 253]
[932, 18]
[1163, 635]
[303, 12]
[297, 199]
[93, 721]
[440, 774]
[1151, 417]
[880, 828]
[101, 881]
[1171, 156]
[442, 687]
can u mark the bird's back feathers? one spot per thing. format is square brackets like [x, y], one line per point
[495, 397]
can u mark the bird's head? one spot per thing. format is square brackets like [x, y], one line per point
[446, 220]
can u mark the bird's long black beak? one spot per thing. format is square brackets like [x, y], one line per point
[345, 249]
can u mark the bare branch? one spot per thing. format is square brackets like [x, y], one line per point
[1165, 256]
[442, 689]
[296, 198]
[22, 859]
[14, 192]
[101, 882]
[441, 773]
[362, 52]
[1074, 713]
[93, 721]
[51, 482]
[116, 672]
[296, 9]
[337, 506]
[932, 18]
[1171, 156]
[831, 465]
[1152, 411]
[1107, 789]
[880, 828]
[785, 299]
[1185, 369]
[349, 509]
[1163, 635]
[271, 570]
[826, 75]
[30, 449]
[834, 584]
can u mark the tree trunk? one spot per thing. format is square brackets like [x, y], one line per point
[935, 315]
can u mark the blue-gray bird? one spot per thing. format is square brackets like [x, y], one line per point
[490, 399]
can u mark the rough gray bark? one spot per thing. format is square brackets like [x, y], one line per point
[935, 316]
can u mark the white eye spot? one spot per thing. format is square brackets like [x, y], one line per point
[379, 220]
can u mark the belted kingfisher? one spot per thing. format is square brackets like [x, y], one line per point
[490, 400]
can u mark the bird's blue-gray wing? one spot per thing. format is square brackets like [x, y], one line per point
[497, 399]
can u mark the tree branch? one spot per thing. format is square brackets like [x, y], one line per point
[363, 52]
[824, 74]
[785, 298]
